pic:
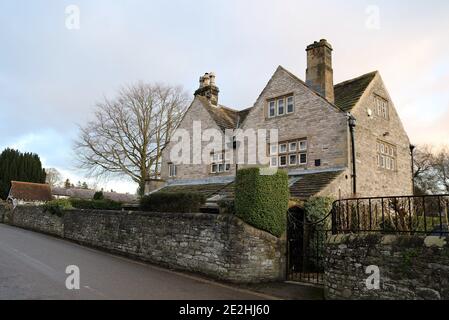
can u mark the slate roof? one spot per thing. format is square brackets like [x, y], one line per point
[208, 190]
[28, 191]
[226, 118]
[348, 93]
[308, 185]
[88, 194]
[303, 187]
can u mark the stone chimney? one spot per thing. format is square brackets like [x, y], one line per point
[319, 74]
[208, 88]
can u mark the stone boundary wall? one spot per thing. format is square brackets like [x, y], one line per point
[33, 218]
[411, 267]
[220, 246]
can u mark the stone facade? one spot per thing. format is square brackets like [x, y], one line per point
[220, 246]
[322, 119]
[372, 128]
[411, 267]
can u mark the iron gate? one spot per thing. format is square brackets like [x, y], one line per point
[305, 247]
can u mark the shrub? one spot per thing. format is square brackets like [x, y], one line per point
[317, 208]
[104, 204]
[262, 200]
[58, 206]
[99, 195]
[227, 206]
[182, 202]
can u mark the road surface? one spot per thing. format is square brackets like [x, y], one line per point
[33, 266]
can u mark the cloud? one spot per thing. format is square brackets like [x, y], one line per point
[52, 77]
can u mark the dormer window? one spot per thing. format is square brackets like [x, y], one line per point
[281, 106]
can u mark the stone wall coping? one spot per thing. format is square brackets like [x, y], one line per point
[390, 239]
[200, 216]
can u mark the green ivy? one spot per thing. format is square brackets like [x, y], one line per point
[57, 207]
[317, 208]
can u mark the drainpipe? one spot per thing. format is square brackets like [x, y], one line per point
[352, 125]
[412, 149]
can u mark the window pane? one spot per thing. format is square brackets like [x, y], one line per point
[281, 108]
[303, 158]
[272, 109]
[274, 161]
[303, 145]
[214, 168]
[282, 161]
[290, 105]
[292, 160]
[283, 148]
[292, 146]
[228, 166]
[221, 167]
[274, 149]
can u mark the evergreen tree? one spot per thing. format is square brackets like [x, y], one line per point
[67, 184]
[18, 166]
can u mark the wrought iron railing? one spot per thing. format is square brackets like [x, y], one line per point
[404, 214]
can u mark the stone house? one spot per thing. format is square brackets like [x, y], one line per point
[343, 140]
[27, 193]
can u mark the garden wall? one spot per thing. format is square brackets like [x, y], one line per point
[411, 267]
[221, 246]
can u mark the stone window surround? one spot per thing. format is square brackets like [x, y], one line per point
[221, 160]
[278, 157]
[285, 98]
[382, 112]
[172, 170]
[386, 154]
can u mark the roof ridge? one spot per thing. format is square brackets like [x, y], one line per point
[356, 78]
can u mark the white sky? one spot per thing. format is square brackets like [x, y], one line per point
[50, 77]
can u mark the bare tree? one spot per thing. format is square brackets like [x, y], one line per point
[53, 178]
[441, 167]
[431, 170]
[128, 133]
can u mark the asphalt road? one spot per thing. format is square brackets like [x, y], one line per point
[32, 266]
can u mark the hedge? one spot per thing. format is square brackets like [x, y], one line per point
[58, 206]
[180, 202]
[262, 200]
[104, 204]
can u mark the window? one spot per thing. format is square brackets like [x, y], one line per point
[292, 160]
[282, 161]
[292, 147]
[172, 170]
[381, 106]
[219, 164]
[386, 156]
[281, 107]
[288, 153]
[303, 145]
[283, 148]
[273, 149]
[272, 109]
[290, 104]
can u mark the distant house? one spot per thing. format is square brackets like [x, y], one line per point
[29, 193]
[88, 194]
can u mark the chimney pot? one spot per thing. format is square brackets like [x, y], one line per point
[208, 88]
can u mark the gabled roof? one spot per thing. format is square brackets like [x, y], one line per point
[224, 117]
[88, 194]
[308, 185]
[28, 191]
[348, 93]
